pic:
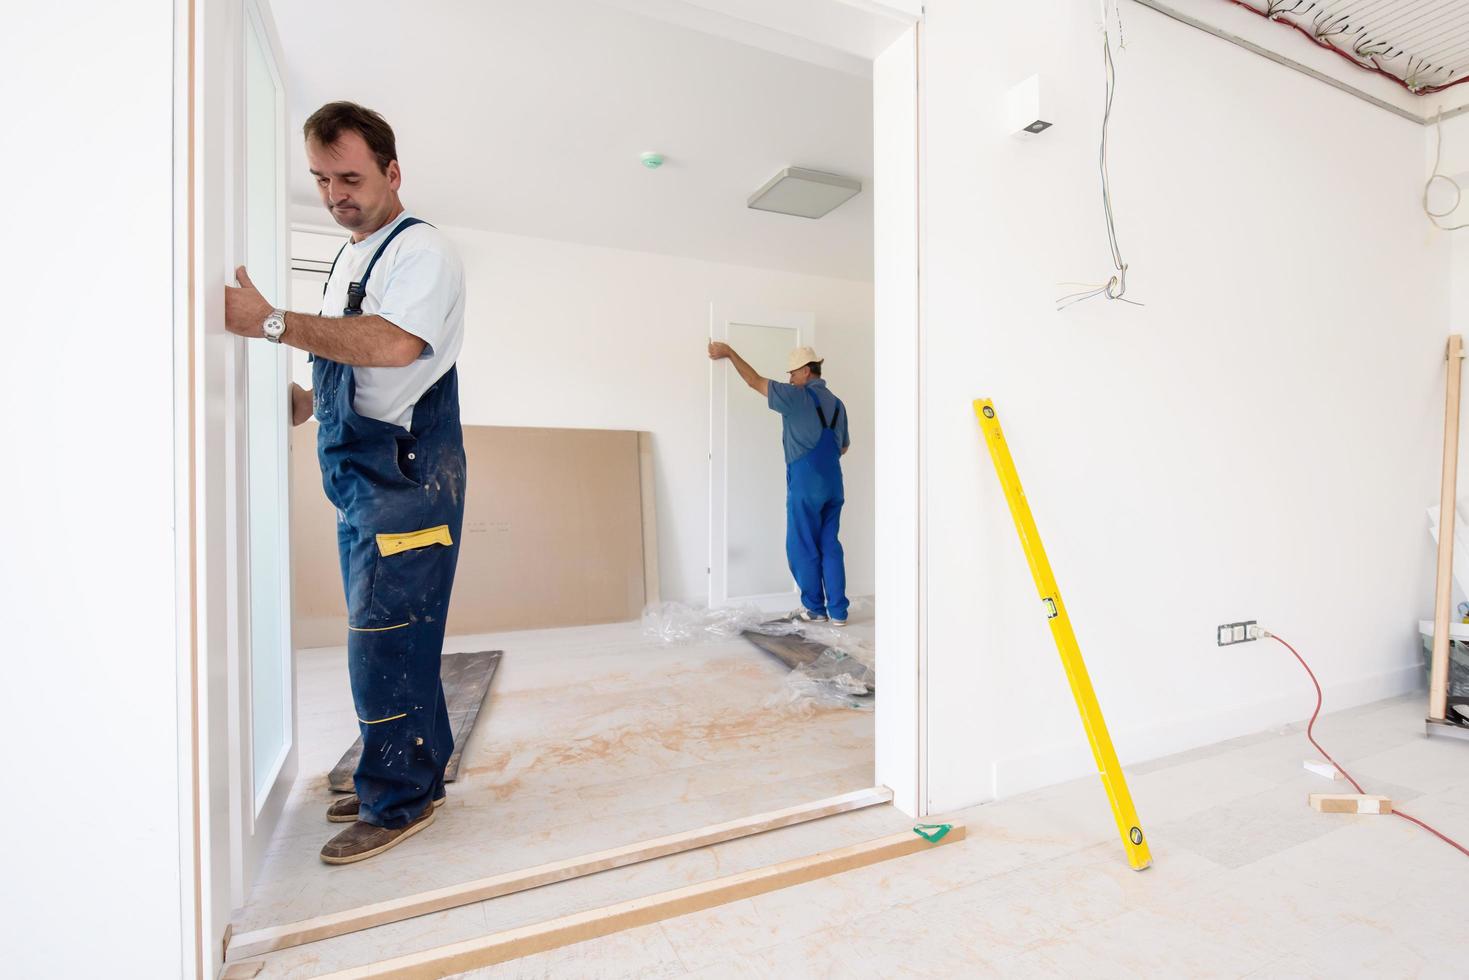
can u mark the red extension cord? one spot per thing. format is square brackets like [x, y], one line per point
[1311, 724]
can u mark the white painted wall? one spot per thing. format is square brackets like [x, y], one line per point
[568, 335]
[1455, 164]
[92, 814]
[1258, 441]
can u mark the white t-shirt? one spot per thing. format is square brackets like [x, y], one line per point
[418, 286]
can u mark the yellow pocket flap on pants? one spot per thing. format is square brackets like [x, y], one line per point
[391, 544]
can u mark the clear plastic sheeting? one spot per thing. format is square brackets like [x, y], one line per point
[841, 677]
[1458, 665]
[674, 623]
[836, 679]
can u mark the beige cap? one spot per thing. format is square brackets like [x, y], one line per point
[800, 357]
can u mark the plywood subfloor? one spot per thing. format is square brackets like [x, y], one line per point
[1247, 881]
[583, 894]
[592, 738]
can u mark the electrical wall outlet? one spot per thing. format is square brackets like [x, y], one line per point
[1229, 634]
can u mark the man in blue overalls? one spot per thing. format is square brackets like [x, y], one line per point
[814, 433]
[392, 463]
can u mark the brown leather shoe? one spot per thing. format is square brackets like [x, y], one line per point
[362, 840]
[345, 809]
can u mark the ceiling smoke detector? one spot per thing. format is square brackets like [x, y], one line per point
[804, 193]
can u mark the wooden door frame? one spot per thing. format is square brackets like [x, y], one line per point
[253, 819]
[901, 723]
[214, 769]
[201, 388]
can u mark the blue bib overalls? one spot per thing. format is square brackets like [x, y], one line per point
[399, 495]
[814, 499]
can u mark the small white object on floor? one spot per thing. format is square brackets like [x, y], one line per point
[1323, 769]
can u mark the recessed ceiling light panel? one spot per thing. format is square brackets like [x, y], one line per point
[804, 193]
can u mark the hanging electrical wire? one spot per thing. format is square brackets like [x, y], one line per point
[1437, 216]
[1116, 286]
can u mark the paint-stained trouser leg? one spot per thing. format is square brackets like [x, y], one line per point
[396, 609]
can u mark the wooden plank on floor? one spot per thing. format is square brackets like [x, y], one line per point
[1350, 803]
[257, 941]
[798, 653]
[794, 651]
[512, 944]
[466, 678]
[466, 688]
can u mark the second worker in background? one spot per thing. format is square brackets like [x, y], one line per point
[814, 435]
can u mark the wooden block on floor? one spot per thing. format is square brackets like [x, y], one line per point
[1350, 803]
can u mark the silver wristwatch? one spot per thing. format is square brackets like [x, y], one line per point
[275, 326]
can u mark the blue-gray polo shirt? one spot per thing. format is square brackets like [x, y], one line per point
[800, 424]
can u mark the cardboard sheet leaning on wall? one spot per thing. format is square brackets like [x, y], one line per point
[557, 532]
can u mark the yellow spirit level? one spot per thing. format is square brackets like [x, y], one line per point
[1081, 686]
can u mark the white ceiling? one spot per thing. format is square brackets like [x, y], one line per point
[529, 118]
[841, 34]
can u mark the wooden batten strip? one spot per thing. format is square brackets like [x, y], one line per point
[257, 941]
[1438, 674]
[512, 944]
[652, 587]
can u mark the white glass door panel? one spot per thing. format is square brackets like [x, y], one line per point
[270, 647]
[268, 421]
[263, 714]
[755, 514]
[747, 486]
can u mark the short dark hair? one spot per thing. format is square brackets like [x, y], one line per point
[327, 124]
[815, 367]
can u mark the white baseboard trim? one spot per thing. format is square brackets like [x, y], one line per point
[1058, 763]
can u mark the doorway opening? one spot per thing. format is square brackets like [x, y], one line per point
[590, 404]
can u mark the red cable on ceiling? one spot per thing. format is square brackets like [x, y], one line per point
[1366, 65]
